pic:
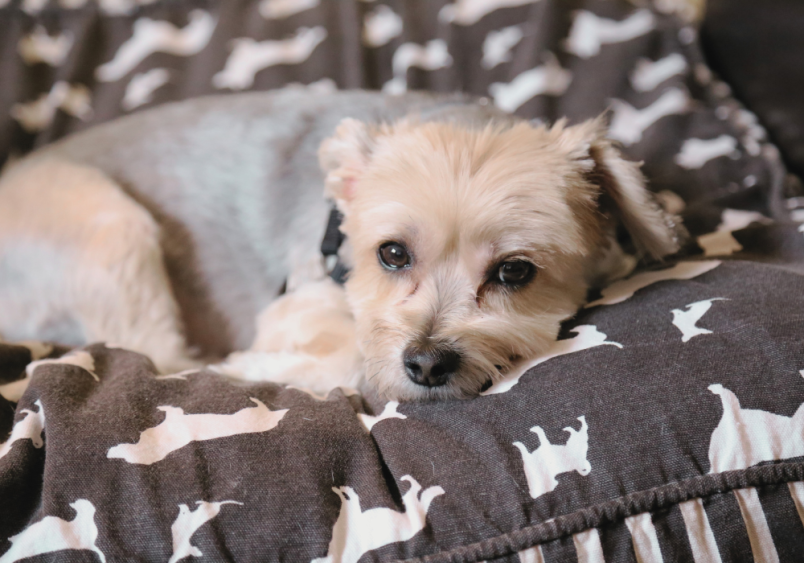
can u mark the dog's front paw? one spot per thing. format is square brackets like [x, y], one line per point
[317, 374]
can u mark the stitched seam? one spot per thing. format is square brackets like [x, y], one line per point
[618, 509]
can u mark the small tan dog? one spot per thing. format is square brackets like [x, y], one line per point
[470, 236]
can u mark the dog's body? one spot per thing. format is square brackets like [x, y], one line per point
[236, 196]
[191, 219]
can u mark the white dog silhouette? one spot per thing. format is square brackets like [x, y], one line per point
[179, 429]
[498, 45]
[548, 460]
[52, 533]
[628, 123]
[142, 87]
[624, 289]
[280, 9]
[389, 411]
[357, 532]
[13, 391]
[745, 437]
[647, 74]
[686, 321]
[38, 114]
[380, 26]
[587, 337]
[590, 32]
[78, 358]
[249, 56]
[549, 79]
[28, 428]
[468, 12]
[697, 152]
[432, 56]
[158, 37]
[721, 242]
[186, 524]
[39, 46]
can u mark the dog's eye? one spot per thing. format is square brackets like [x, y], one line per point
[515, 272]
[393, 256]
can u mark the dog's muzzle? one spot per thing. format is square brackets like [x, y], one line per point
[430, 367]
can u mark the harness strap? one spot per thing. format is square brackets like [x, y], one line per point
[333, 239]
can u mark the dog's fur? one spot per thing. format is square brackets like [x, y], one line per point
[218, 203]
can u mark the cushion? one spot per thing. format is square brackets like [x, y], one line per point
[669, 420]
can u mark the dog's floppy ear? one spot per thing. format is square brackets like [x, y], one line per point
[653, 231]
[343, 158]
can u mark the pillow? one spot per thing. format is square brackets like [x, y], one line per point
[667, 424]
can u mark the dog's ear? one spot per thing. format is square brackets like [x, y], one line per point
[343, 158]
[623, 193]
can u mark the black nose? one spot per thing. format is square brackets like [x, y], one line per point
[430, 366]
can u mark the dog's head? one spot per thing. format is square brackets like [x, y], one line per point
[469, 246]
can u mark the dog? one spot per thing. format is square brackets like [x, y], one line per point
[469, 236]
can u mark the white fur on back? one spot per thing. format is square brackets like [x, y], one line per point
[86, 266]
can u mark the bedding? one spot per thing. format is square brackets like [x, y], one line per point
[666, 424]
[753, 47]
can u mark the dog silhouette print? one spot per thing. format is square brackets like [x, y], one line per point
[746, 437]
[186, 524]
[543, 464]
[179, 429]
[357, 532]
[53, 534]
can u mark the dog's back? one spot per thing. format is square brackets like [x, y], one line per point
[225, 191]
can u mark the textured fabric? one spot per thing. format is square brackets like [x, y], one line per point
[666, 420]
[755, 47]
[589, 438]
[543, 59]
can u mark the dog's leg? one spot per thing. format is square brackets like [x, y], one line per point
[305, 338]
[80, 261]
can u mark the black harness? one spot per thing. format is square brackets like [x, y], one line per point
[333, 239]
